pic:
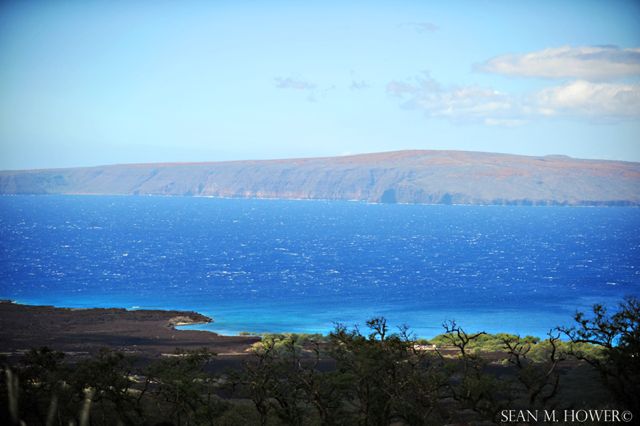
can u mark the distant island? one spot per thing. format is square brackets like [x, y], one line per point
[419, 177]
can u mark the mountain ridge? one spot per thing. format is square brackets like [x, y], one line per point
[410, 176]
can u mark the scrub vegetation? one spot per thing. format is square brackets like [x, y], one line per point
[373, 376]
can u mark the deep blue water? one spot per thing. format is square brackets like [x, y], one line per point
[267, 265]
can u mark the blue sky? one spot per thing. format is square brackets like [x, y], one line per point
[89, 83]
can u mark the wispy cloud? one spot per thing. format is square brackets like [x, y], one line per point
[504, 122]
[458, 103]
[594, 102]
[401, 88]
[293, 83]
[588, 63]
[359, 85]
[421, 27]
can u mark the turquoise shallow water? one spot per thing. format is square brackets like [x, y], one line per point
[267, 265]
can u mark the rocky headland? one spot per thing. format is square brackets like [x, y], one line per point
[148, 333]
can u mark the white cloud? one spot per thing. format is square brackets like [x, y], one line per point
[595, 102]
[588, 62]
[599, 101]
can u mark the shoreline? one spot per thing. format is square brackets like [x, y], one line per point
[197, 322]
[516, 203]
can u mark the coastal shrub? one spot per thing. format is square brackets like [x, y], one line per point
[42, 373]
[351, 376]
[471, 385]
[383, 378]
[280, 341]
[182, 390]
[484, 342]
[267, 382]
[109, 376]
[537, 371]
[610, 343]
[95, 389]
[41, 388]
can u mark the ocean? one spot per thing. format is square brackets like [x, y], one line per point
[303, 266]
